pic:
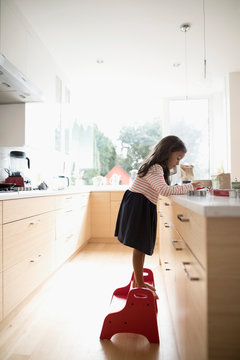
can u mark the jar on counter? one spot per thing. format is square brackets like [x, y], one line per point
[215, 181]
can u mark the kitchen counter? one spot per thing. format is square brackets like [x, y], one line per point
[210, 206]
[71, 190]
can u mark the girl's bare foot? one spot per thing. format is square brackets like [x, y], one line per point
[146, 285]
[151, 287]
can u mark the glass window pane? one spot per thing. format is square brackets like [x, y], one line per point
[189, 120]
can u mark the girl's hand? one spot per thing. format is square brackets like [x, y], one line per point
[197, 185]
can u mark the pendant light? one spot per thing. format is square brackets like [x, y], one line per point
[185, 28]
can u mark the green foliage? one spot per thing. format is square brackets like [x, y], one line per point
[89, 174]
[136, 143]
[105, 152]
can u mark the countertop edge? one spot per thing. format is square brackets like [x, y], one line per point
[79, 190]
[210, 207]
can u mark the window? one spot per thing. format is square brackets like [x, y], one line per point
[189, 120]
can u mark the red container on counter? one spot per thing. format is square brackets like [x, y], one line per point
[221, 192]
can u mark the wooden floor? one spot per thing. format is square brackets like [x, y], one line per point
[63, 320]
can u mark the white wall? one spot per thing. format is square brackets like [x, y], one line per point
[234, 117]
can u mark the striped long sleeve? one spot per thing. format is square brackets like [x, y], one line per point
[153, 184]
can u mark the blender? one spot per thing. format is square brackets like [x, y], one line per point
[19, 163]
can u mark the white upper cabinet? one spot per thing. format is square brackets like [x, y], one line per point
[23, 48]
[14, 37]
[27, 125]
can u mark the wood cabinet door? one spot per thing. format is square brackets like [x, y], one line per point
[193, 229]
[191, 312]
[1, 285]
[25, 238]
[20, 280]
[100, 215]
[167, 261]
[72, 225]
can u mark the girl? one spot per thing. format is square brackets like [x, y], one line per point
[137, 218]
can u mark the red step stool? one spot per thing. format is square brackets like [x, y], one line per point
[139, 315]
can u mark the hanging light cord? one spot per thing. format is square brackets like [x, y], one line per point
[204, 44]
[186, 66]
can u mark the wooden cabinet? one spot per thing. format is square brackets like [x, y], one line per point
[39, 234]
[72, 225]
[22, 208]
[104, 210]
[192, 228]
[28, 243]
[1, 304]
[115, 201]
[200, 262]
[100, 214]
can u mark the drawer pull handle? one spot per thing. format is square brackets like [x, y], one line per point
[191, 278]
[166, 225]
[166, 264]
[35, 222]
[68, 198]
[175, 244]
[36, 259]
[181, 218]
[68, 211]
[167, 204]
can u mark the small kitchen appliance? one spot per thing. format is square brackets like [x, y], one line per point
[19, 165]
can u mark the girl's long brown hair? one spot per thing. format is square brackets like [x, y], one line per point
[160, 155]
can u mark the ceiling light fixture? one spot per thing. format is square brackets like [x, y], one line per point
[185, 28]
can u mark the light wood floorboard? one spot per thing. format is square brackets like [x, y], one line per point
[63, 319]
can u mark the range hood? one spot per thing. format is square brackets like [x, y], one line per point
[14, 87]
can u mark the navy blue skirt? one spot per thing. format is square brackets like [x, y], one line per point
[136, 224]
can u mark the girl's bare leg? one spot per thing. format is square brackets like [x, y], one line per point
[138, 264]
[138, 261]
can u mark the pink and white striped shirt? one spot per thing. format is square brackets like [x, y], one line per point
[153, 184]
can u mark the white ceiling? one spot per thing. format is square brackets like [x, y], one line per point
[139, 41]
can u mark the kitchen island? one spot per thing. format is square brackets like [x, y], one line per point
[199, 250]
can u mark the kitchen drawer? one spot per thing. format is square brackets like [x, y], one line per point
[22, 208]
[192, 228]
[0, 250]
[65, 246]
[72, 201]
[116, 195]
[190, 317]
[165, 208]
[67, 221]
[1, 212]
[0, 272]
[25, 239]
[21, 279]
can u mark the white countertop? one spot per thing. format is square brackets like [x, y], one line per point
[211, 205]
[71, 190]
